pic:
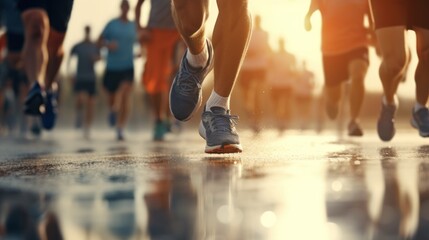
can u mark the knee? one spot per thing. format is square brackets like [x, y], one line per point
[36, 25]
[55, 43]
[394, 63]
[333, 94]
[190, 17]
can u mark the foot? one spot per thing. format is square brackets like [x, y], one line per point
[218, 128]
[120, 135]
[185, 92]
[112, 119]
[36, 130]
[354, 129]
[159, 131]
[35, 100]
[49, 115]
[420, 120]
[332, 109]
[386, 122]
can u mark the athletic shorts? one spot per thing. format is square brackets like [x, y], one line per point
[59, 11]
[336, 67]
[159, 64]
[86, 86]
[15, 41]
[113, 79]
[409, 13]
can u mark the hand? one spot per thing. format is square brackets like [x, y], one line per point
[112, 45]
[307, 23]
[144, 35]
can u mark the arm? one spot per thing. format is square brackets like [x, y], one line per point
[314, 6]
[104, 42]
[72, 53]
[138, 13]
[97, 55]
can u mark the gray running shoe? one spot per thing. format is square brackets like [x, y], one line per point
[386, 122]
[354, 129]
[420, 120]
[185, 92]
[218, 128]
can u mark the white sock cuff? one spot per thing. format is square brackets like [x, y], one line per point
[199, 60]
[215, 100]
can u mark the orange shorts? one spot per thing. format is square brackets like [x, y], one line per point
[159, 60]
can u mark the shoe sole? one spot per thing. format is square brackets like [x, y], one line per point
[383, 136]
[416, 126]
[219, 149]
[229, 148]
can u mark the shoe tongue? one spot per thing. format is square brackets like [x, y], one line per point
[218, 110]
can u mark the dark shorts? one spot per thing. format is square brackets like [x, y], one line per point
[113, 79]
[336, 67]
[409, 13]
[85, 86]
[59, 11]
[15, 41]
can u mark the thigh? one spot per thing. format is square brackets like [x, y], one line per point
[111, 81]
[335, 69]
[392, 42]
[422, 42]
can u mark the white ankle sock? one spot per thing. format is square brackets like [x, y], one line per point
[418, 106]
[215, 100]
[395, 103]
[199, 60]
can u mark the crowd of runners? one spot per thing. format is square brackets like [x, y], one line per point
[180, 54]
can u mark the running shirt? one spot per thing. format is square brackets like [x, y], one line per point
[160, 15]
[86, 53]
[343, 25]
[125, 36]
[258, 51]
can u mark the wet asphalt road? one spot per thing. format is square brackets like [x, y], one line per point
[296, 186]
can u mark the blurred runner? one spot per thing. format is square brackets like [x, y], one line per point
[119, 37]
[253, 74]
[392, 18]
[303, 89]
[281, 78]
[160, 41]
[45, 27]
[345, 53]
[84, 82]
[230, 39]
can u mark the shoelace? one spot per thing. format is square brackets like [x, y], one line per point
[223, 122]
[188, 84]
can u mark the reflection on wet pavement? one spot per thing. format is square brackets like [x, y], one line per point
[298, 186]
